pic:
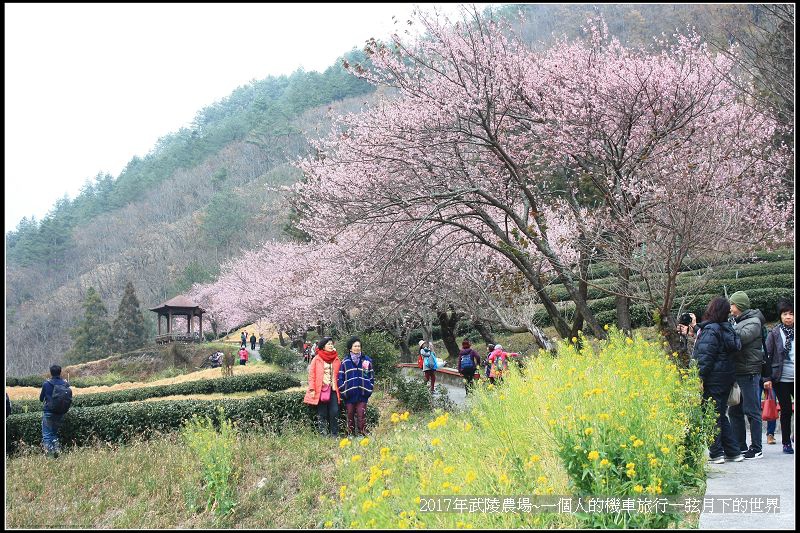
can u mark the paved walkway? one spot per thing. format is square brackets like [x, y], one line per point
[771, 475]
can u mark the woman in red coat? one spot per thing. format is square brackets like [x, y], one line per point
[322, 388]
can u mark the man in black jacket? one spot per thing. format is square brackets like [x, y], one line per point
[51, 421]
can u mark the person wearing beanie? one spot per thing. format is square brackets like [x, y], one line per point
[323, 390]
[780, 350]
[468, 362]
[356, 380]
[747, 362]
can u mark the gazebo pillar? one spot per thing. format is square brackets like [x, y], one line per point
[201, 326]
[169, 322]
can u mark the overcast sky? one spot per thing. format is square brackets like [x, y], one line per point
[90, 86]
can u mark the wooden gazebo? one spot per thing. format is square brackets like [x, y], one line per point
[179, 306]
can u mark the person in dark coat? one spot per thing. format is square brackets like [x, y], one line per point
[356, 380]
[468, 363]
[253, 341]
[780, 348]
[260, 341]
[717, 341]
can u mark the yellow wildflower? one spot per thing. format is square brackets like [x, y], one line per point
[342, 492]
[504, 479]
[604, 463]
[328, 524]
[603, 416]
[664, 449]
[535, 458]
[404, 416]
[344, 443]
[541, 479]
[593, 455]
[630, 465]
[364, 441]
[449, 470]
[385, 493]
[588, 431]
[637, 443]
[638, 488]
[436, 442]
[355, 458]
[470, 477]
[366, 506]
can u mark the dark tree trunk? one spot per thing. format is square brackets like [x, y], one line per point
[448, 323]
[281, 339]
[485, 332]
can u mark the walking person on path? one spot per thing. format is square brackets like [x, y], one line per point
[260, 341]
[323, 390]
[429, 363]
[253, 341]
[468, 362]
[356, 380]
[716, 343]
[747, 365]
[780, 347]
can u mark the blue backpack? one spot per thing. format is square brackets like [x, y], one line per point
[467, 363]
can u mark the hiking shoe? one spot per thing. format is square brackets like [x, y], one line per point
[752, 454]
[735, 459]
[787, 448]
[771, 439]
[717, 460]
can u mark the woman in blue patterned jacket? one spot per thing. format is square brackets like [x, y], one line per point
[356, 381]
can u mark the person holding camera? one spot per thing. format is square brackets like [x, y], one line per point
[716, 342]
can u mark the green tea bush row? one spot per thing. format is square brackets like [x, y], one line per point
[278, 355]
[243, 383]
[120, 422]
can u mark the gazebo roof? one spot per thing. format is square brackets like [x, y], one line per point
[179, 301]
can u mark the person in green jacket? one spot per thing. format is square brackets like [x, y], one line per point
[747, 365]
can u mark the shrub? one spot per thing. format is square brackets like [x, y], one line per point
[416, 396]
[243, 383]
[382, 351]
[278, 355]
[121, 422]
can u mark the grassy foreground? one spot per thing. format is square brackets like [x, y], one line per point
[621, 420]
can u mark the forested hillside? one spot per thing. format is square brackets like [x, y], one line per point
[210, 192]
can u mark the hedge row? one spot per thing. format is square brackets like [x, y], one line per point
[746, 284]
[746, 270]
[243, 383]
[121, 422]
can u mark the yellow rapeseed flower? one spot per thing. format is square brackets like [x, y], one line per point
[364, 441]
[470, 477]
[629, 340]
[366, 506]
[446, 484]
[604, 462]
[541, 479]
[355, 458]
[638, 488]
[404, 416]
[342, 492]
[395, 418]
[574, 339]
[593, 455]
[588, 431]
[605, 327]
[385, 493]
[384, 452]
[456, 489]
[449, 470]
[637, 443]
[402, 523]
[664, 449]
[409, 458]
[504, 479]
[630, 465]
[535, 458]
[328, 524]
[630, 473]
[653, 462]
[436, 442]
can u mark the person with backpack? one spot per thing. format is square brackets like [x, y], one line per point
[716, 343]
[780, 350]
[468, 361]
[498, 363]
[57, 397]
[748, 323]
[429, 363]
[243, 355]
[356, 380]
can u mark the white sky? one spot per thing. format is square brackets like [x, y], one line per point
[90, 86]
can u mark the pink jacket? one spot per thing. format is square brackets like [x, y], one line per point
[316, 371]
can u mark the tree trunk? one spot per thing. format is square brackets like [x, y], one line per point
[281, 339]
[448, 323]
[485, 332]
[668, 329]
[623, 286]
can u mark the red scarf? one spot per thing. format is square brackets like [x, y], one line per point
[328, 357]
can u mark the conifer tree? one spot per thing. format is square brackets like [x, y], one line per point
[90, 336]
[128, 331]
